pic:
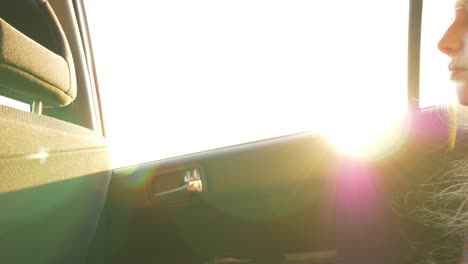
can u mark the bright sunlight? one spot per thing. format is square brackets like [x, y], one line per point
[180, 77]
[365, 136]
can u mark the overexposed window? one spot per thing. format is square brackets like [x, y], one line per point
[14, 104]
[179, 76]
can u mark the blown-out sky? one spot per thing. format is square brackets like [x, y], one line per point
[179, 76]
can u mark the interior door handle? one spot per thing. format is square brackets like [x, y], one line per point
[193, 183]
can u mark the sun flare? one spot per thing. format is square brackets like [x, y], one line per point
[368, 135]
[210, 80]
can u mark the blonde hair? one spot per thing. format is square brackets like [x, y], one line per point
[439, 202]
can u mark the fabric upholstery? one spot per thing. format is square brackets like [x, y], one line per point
[29, 70]
[54, 178]
[54, 175]
[35, 145]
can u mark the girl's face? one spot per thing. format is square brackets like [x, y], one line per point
[454, 44]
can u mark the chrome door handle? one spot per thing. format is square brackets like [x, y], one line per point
[193, 183]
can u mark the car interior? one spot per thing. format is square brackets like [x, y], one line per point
[289, 199]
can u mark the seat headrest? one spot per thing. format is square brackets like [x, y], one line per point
[35, 59]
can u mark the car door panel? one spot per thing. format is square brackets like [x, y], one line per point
[292, 199]
[267, 202]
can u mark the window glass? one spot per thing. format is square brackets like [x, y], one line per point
[13, 103]
[435, 85]
[179, 77]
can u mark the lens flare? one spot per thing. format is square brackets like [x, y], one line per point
[41, 156]
[367, 136]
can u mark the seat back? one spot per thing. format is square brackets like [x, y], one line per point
[54, 175]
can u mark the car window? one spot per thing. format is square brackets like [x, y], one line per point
[14, 103]
[179, 77]
[435, 85]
